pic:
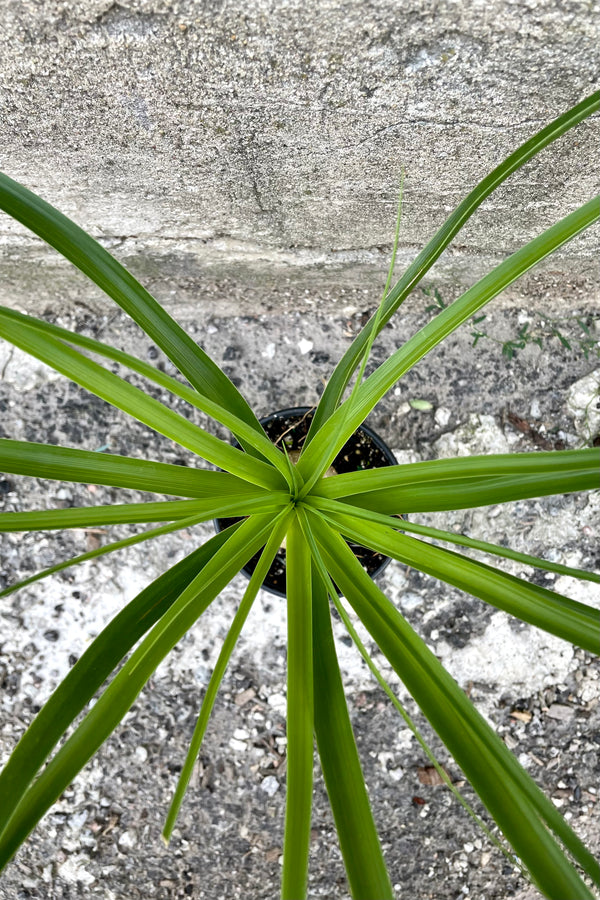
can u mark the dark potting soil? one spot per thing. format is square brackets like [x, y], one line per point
[364, 450]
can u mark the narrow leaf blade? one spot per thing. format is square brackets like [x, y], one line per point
[214, 510]
[137, 403]
[359, 842]
[121, 693]
[568, 619]
[465, 482]
[515, 801]
[452, 537]
[220, 413]
[442, 238]
[97, 263]
[90, 467]
[300, 721]
[91, 670]
[235, 629]
[323, 449]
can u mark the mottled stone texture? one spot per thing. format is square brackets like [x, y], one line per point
[230, 152]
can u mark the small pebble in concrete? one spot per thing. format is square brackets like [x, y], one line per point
[127, 840]
[305, 346]
[241, 734]
[72, 871]
[269, 785]
[421, 405]
[278, 702]
[442, 416]
[411, 601]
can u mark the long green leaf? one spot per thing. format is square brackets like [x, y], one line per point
[326, 579]
[452, 537]
[120, 695]
[359, 842]
[123, 513]
[91, 670]
[252, 505]
[369, 662]
[559, 615]
[97, 263]
[519, 807]
[343, 372]
[89, 467]
[89, 516]
[323, 449]
[137, 403]
[221, 414]
[235, 629]
[473, 492]
[442, 473]
[464, 482]
[115, 546]
[300, 721]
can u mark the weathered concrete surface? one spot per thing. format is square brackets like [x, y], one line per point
[244, 152]
[102, 840]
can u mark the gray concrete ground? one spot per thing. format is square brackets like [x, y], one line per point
[243, 161]
[103, 837]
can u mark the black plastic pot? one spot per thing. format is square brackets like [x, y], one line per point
[364, 450]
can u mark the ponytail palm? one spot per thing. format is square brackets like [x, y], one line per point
[276, 499]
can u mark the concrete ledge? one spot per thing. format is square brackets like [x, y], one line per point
[264, 142]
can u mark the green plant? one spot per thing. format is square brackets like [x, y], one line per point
[580, 338]
[277, 498]
[573, 334]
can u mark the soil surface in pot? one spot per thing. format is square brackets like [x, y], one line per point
[364, 450]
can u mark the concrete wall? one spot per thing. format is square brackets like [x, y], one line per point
[246, 152]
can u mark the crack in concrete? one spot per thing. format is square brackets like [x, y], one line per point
[427, 123]
[7, 363]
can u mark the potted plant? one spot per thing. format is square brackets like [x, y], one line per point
[289, 428]
[273, 494]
